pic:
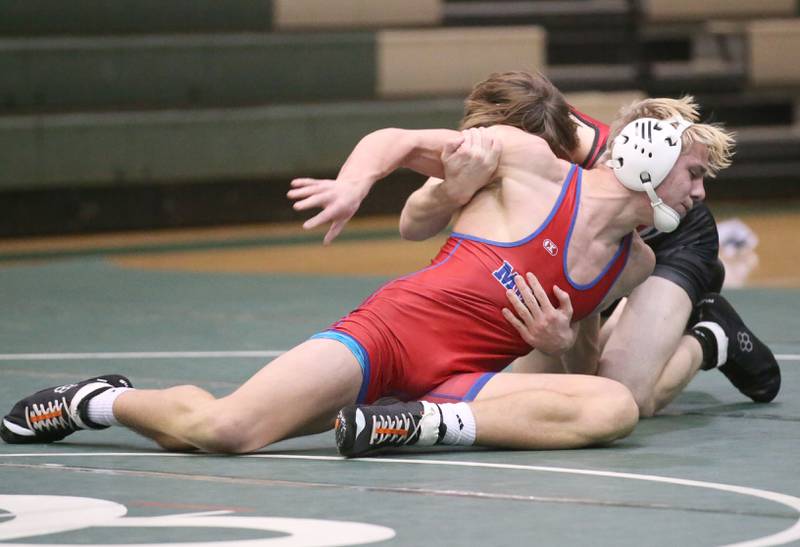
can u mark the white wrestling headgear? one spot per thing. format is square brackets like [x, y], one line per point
[642, 156]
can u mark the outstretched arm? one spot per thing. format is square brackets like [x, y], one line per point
[374, 157]
[468, 167]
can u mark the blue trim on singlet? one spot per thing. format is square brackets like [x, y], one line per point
[358, 352]
[471, 393]
[553, 212]
[478, 386]
[437, 395]
[607, 267]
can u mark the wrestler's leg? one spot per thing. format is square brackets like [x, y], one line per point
[552, 411]
[297, 393]
[647, 350]
[522, 411]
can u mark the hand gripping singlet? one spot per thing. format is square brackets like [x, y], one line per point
[418, 330]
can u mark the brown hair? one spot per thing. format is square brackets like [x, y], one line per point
[526, 101]
[719, 142]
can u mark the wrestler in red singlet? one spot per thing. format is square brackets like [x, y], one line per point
[445, 320]
[465, 387]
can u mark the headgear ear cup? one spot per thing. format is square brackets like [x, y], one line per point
[643, 154]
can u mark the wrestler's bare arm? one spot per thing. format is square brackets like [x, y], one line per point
[374, 157]
[427, 211]
[384, 151]
[467, 169]
[430, 208]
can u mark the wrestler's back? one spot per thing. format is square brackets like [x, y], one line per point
[527, 182]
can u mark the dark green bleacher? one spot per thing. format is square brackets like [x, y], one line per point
[275, 142]
[579, 31]
[141, 113]
[154, 71]
[123, 114]
[112, 17]
[606, 45]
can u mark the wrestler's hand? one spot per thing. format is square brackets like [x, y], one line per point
[541, 325]
[469, 163]
[338, 199]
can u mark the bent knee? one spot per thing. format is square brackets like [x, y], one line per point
[628, 413]
[615, 413]
[227, 433]
[188, 396]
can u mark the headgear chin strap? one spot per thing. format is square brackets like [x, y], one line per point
[642, 156]
[665, 218]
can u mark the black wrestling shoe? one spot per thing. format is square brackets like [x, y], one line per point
[361, 429]
[750, 366]
[51, 414]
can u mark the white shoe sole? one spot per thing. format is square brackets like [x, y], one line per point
[17, 430]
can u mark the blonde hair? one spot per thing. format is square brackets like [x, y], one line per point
[717, 139]
[527, 101]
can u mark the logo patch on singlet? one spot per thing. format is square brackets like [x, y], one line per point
[550, 247]
[505, 276]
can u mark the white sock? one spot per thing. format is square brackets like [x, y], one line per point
[460, 424]
[101, 407]
[720, 337]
